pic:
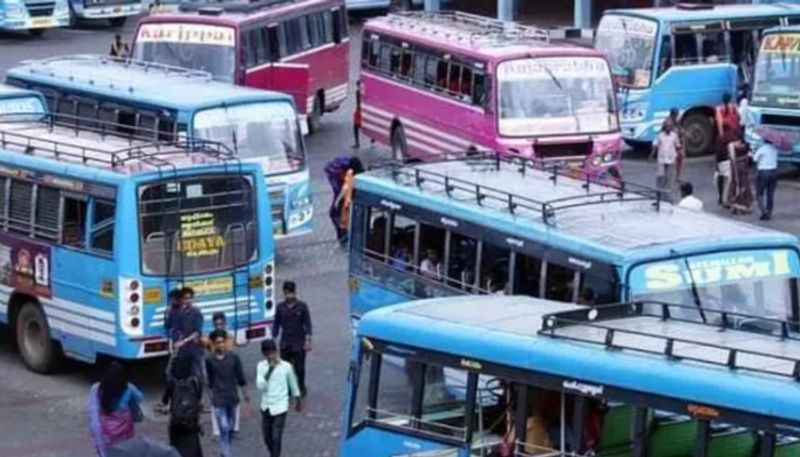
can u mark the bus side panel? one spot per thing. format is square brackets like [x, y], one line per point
[83, 309]
[366, 296]
[329, 66]
[368, 441]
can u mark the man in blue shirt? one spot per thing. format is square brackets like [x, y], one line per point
[186, 330]
[293, 325]
[766, 158]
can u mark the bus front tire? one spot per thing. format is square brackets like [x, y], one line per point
[399, 144]
[698, 133]
[315, 115]
[36, 346]
[118, 21]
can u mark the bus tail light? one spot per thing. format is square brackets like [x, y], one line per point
[269, 289]
[130, 307]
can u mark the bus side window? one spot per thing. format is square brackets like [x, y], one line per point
[441, 75]
[394, 60]
[385, 59]
[666, 56]
[102, 234]
[73, 232]
[302, 27]
[283, 46]
[494, 269]
[431, 251]
[597, 290]
[462, 262]
[406, 63]
[527, 275]
[19, 207]
[315, 32]
[46, 215]
[3, 203]
[418, 76]
[166, 129]
[378, 221]
[479, 89]
[685, 49]
[713, 47]
[327, 26]
[273, 43]
[402, 243]
[293, 38]
[560, 283]
[258, 40]
[431, 66]
[339, 25]
[454, 80]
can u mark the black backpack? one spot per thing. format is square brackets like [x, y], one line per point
[185, 406]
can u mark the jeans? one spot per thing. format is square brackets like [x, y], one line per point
[298, 361]
[225, 417]
[234, 426]
[272, 429]
[766, 182]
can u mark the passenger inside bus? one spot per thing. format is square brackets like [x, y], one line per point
[401, 257]
[430, 265]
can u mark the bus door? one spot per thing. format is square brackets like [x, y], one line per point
[291, 78]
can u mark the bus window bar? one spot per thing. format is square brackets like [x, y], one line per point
[42, 66]
[547, 209]
[415, 424]
[468, 28]
[558, 325]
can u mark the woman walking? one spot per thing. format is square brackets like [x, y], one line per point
[723, 172]
[113, 408]
[183, 397]
[740, 194]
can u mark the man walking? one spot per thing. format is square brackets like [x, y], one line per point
[766, 158]
[665, 150]
[227, 383]
[294, 320]
[186, 330]
[277, 383]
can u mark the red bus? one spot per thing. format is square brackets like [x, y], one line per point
[300, 47]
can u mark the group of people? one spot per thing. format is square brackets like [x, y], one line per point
[198, 364]
[734, 159]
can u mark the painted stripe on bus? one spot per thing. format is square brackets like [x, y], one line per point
[208, 309]
[70, 306]
[445, 137]
[95, 325]
[81, 332]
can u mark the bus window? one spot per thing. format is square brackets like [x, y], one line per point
[559, 283]
[361, 392]
[303, 29]
[454, 80]
[376, 239]
[431, 66]
[394, 61]
[597, 290]
[666, 56]
[274, 43]
[316, 33]
[527, 275]
[395, 390]
[494, 268]
[431, 250]
[444, 398]
[72, 232]
[406, 63]
[283, 45]
[713, 47]
[743, 47]
[401, 246]
[462, 262]
[385, 58]
[685, 49]
[47, 203]
[327, 27]
[102, 235]
[466, 85]
[479, 89]
[3, 202]
[19, 207]
[441, 75]
[339, 25]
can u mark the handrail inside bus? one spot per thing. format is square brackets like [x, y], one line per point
[472, 28]
[603, 318]
[23, 132]
[482, 195]
[32, 65]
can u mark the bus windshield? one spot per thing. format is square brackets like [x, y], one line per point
[629, 43]
[555, 95]
[777, 76]
[196, 225]
[758, 282]
[21, 105]
[208, 48]
[266, 131]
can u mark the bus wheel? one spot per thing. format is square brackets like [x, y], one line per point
[315, 115]
[399, 6]
[35, 343]
[698, 133]
[118, 21]
[399, 144]
[36, 32]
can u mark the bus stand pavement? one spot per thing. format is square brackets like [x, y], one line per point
[45, 416]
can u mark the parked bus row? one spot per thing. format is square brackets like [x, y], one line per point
[37, 16]
[100, 220]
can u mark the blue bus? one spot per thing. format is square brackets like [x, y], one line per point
[260, 126]
[533, 377]
[684, 57]
[116, 12]
[33, 16]
[14, 100]
[774, 108]
[491, 225]
[99, 222]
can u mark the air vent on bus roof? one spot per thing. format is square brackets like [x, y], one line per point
[695, 6]
[210, 11]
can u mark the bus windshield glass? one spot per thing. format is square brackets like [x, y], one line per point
[20, 105]
[197, 225]
[555, 95]
[208, 48]
[757, 282]
[266, 131]
[629, 43]
[777, 78]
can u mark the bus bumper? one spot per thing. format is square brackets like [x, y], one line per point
[640, 132]
[110, 11]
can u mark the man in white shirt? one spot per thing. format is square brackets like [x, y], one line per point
[766, 158]
[665, 149]
[688, 200]
[277, 383]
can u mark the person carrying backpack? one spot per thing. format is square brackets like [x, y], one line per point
[183, 396]
[335, 172]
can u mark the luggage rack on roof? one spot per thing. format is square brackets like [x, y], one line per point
[23, 133]
[233, 6]
[105, 60]
[470, 28]
[513, 203]
[597, 325]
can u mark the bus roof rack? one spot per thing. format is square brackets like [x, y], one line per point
[651, 327]
[41, 65]
[469, 28]
[232, 6]
[694, 6]
[482, 195]
[80, 140]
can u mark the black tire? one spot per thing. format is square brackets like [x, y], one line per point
[118, 21]
[315, 115]
[698, 134]
[399, 144]
[399, 6]
[36, 32]
[34, 340]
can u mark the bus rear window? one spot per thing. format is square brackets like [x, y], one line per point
[196, 225]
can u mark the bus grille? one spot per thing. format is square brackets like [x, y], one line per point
[90, 3]
[39, 9]
[558, 150]
[277, 200]
[777, 119]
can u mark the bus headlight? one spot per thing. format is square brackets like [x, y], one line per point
[634, 112]
[15, 11]
[301, 202]
[62, 9]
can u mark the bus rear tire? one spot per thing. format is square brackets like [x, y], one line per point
[399, 144]
[35, 342]
[698, 134]
[118, 21]
[315, 115]
[36, 32]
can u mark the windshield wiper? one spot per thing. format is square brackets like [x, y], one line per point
[695, 292]
[560, 86]
[235, 142]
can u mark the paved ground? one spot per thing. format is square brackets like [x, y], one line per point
[44, 416]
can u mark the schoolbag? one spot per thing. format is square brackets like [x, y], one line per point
[185, 406]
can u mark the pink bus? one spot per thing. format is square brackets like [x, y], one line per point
[437, 83]
[300, 47]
